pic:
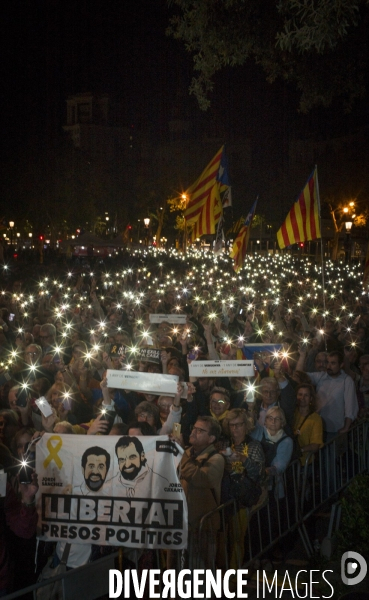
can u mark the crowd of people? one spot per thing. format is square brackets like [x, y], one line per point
[60, 331]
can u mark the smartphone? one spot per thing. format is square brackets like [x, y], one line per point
[11, 317]
[22, 397]
[44, 406]
[67, 403]
[109, 416]
[28, 465]
[176, 429]
[193, 354]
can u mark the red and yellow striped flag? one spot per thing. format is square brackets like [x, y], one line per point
[366, 271]
[204, 207]
[302, 223]
[240, 244]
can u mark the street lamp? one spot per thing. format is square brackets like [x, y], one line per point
[11, 225]
[147, 223]
[185, 233]
[348, 226]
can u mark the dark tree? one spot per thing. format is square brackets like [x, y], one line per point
[320, 46]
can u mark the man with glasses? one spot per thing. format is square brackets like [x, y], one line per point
[201, 473]
[274, 392]
[32, 354]
[33, 368]
[269, 397]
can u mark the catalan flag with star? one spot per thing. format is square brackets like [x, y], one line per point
[303, 221]
[239, 248]
[204, 207]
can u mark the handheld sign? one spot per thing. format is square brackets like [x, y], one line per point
[149, 383]
[171, 318]
[221, 368]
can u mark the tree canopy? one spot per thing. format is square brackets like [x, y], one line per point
[319, 45]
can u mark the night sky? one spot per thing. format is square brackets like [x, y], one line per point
[54, 48]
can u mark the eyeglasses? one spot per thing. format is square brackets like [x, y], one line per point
[145, 416]
[236, 425]
[273, 419]
[31, 353]
[268, 392]
[199, 430]
[218, 402]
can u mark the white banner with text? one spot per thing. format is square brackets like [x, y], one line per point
[111, 490]
[171, 318]
[221, 368]
[149, 383]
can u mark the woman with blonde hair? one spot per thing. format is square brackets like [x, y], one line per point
[62, 399]
[277, 445]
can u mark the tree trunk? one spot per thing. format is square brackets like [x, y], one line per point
[160, 217]
[335, 242]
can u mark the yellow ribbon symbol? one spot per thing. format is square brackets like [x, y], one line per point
[54, 451]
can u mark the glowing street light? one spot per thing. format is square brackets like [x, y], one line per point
[11, 225]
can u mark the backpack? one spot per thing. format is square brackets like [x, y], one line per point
[237, 486]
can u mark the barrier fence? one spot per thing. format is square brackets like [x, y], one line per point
[244, 535]
[306, 489]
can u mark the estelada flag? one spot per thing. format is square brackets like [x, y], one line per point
[302, 223]
[204, 207]
[239, 249]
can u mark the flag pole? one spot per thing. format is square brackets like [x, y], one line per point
[321, 249]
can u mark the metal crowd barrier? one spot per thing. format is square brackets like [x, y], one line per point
[307, 489]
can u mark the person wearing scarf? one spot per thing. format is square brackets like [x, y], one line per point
[277, 446]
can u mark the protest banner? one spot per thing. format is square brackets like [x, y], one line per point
[151, 355]
[149, 383]
[130, 352]
[221, 368]
[111, 490]
[170, 318]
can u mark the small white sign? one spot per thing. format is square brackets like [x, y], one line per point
[149, 383]
[171, 318]
[222, 368]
